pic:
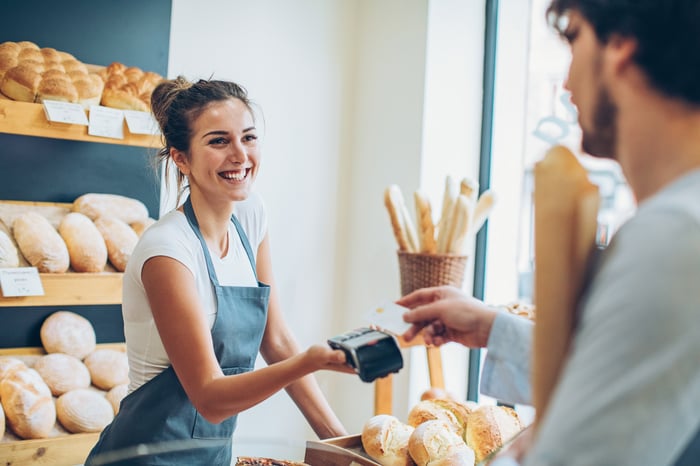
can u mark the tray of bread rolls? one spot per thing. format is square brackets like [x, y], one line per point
[55, 399]
[80, 249]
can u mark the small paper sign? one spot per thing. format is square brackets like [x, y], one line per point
[21, 281]
[141, 122]
[389, 317]
[65, 112]
[106, 122]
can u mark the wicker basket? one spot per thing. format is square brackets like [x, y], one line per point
[419, 270]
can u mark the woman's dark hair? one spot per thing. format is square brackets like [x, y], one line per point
[666, 31]
[177, 103]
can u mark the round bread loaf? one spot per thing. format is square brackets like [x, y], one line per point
[83, 410]
[62, 372]
[9, 364]
[29, 408]
[69, 333]
[385, 439]
[120, 239]
[126, 209]
[449, 412]
[116, 395]
[435, 443]
[108, 368]
[86, 246]
[490, 427]
[40, 243]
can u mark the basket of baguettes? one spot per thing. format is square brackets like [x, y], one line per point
[430, 252]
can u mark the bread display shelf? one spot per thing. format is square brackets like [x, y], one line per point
[29, 119]
[63, 448]
[62, 289]
[339, 451]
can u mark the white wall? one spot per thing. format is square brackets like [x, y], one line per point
[342, 87]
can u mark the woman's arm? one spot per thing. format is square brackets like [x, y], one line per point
[186, 336]
[279, 344]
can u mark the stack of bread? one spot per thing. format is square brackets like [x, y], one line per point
[463, 213]
[439, 432]
[100, 228]
[29, 73]
[75, 383]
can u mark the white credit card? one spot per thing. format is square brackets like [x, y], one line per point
[389, 317]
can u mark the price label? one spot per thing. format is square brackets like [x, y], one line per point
[65, 112]
[106, 122]
[21, 281]
[141, 122]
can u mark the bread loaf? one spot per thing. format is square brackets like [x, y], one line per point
[434, 443]
[9, 255]
[116, 395]
[40, 243]
[2, 421]
[489, 427]
[29, 408]
[108, 368]
[96, 205]
[120, 239]
[385, 439]
[86, 246]
[9, 364]
[449, 412]
[62, 372]
[69, 333]
[83, 410]
[142, 225]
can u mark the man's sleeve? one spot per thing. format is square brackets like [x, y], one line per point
[506, 372]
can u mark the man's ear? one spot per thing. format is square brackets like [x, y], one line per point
[620, 52]
[180, 160]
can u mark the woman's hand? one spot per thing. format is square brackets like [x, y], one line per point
[325, 357]
[445, 314]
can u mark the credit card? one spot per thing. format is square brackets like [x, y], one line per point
[389, 317]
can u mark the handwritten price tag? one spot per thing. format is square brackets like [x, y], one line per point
[21, 281]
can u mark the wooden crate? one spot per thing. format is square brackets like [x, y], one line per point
[339, 451]
[60, 449]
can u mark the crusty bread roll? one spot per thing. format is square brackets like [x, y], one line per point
[9, 364]
[69, 333]
[436, 393]
[116, 394]
[40, 243]
[29, 408]
[124, 208]
[9, 255]
[385, 439]
[86, 246]
[490, 427]
[83, 410]
[449, 412]
[62, 372]
[120, 239]
[21, 82]
[433, 443]
[142, 225]
[426, 227]
[108, 368]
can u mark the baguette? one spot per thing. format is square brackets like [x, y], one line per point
[86, 247]
[566, 205]
[410, 228]
[40, 243]
[426, 227]
[96, 205]
[483, 209]
[469, 188]
[459, 226]
[393, 202]
[448, 199]
[120, 239]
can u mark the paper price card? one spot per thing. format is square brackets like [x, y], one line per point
[106, 122]
[141, 122]
[65, 112]
[21, 281]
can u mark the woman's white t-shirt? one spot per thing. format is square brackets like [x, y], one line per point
[173, 237]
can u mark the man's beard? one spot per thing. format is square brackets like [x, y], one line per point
[600, 141]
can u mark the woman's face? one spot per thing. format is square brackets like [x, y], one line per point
[224, 153]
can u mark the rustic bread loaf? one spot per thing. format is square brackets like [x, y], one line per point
[2, 421]
[108, 368]
[124, 208]
[62, 372]
[120, 239]
[142, 225]
[40, 243]
[83, 410]
[434, 443]
[86, 246]
[448, 411]
[489, 427]
[385, 439]
[116, 395]
[29, 408]
[21, 261]
[69, 333]
[9, 364]
[9, 255]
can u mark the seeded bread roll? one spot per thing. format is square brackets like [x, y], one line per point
[69, 333]
[96, 205]
[490, 427]
[385, 439]
[116, 395]
[433, 443]
[40, 243]
[108, 368]
[120, 239]
[62, 372]
[83, 410]
[86, 246]
[29, 408]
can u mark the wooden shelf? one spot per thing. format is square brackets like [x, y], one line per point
[29, 119]
[73, 289]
